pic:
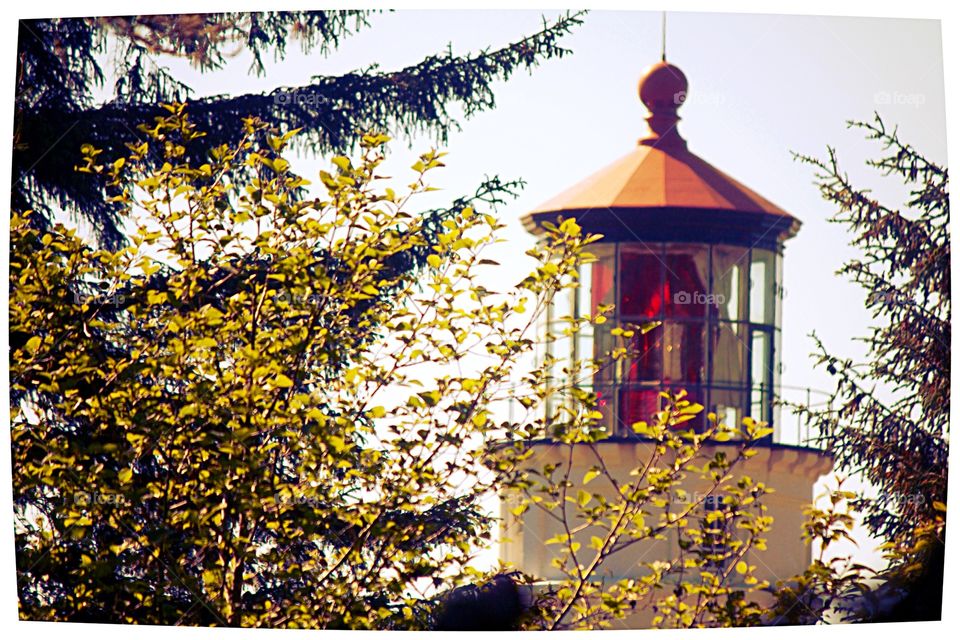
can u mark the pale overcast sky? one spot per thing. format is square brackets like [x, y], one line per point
[760, 86]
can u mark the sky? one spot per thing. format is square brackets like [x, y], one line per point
[761, 86]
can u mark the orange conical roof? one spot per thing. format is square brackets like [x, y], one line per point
[662, 176]
[654, 177]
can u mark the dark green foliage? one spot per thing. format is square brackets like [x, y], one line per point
[889, 415]
[58, 69]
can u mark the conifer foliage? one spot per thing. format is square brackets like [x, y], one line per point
[59, 66]
[889, 415]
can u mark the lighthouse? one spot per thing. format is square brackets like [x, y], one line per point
[698, 255]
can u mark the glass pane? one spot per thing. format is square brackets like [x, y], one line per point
[778, 283]
[600, 279]
[638, 405]
[586, 345]
[729, 405]
[560, 307]
[762, 286]
[729, 267]
[776, 382]
[606, 405]
[760, 359]
[641, 281]
[684, 353]
[761, 376]
[729, 353]
[584, 287]
[760, 405]
[643, 363]
[686, 290]
[561, 349]
[694, 395]
[602, 346]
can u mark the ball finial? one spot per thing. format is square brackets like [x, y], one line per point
[663, 88]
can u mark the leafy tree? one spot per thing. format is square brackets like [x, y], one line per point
[248, 416]
[58, 68]
[889, 415]
[705, 579]
[827, 590]
[206, 447]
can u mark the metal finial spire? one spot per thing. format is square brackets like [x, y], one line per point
[663, 36]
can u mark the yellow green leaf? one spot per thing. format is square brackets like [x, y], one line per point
[33, 344]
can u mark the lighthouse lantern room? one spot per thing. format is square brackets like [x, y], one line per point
[689, 248]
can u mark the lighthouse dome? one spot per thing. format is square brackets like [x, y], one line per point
[661, 191]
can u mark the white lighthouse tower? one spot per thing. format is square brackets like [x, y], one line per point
[690, 248]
